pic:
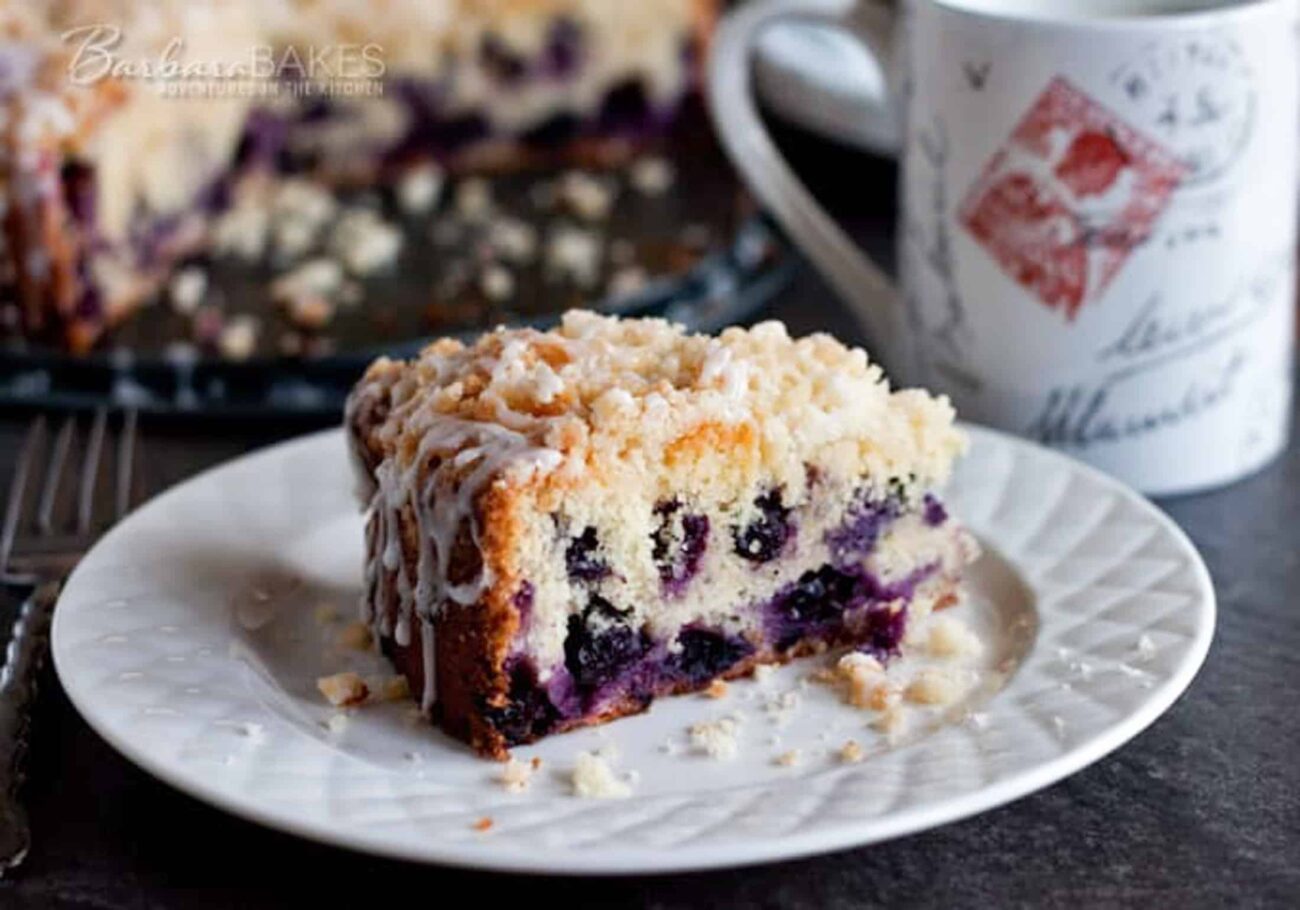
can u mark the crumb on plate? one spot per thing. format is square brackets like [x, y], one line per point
[343, 689]
[355, 636]
[593, 778]
[717, 739]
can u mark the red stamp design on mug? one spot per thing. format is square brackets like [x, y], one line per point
[1069, 196]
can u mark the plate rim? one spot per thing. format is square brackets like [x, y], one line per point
[620, 861]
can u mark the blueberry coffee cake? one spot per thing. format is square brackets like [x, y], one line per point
[130, 126]
[564, 525]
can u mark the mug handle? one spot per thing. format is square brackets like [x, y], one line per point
[865, 287]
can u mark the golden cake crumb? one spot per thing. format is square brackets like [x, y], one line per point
[343, 689]
[788, 759]
[594, 779]
[516, 776]
[851, 753]
[863, 677]
[951, 637]
[325, 614]
[355, 636]
[935, 687]
[483, 824]
[892, 722]
[716, 689]
[337, 723]
[393, 688]
[716, 739]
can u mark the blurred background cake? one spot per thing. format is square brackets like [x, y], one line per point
[135, 136]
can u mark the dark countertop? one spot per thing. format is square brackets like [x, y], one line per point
[1203, 809]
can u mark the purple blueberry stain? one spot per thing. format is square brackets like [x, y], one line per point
[934, 512]
[528, 712]
[764, 538]
[625, 107]
[506, 66]
[885, 628]
[857, 533]
[564, 48]
[581, 559]
[601, 645]
[704, 654]
[815, 602]
[680, 542]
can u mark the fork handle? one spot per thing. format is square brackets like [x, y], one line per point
[28, 648]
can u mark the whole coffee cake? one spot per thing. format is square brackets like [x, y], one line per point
[564, 525]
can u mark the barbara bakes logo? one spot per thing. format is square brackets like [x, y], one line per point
[260, 69]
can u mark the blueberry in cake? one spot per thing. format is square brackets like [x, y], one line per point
[110, 175]
[564, 525]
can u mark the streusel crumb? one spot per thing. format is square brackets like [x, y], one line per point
[601, 384]
[935, 687]
[343, 689]
[325, 614]
[355, 636]
[892, 722]
[516, 776]
[951, 637]
[863, 678]
[594, 779]
[716, 739]
[393, 688]
[851, 753]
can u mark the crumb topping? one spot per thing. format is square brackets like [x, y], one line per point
[635, 389]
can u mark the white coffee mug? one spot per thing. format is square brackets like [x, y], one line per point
[1098, 228]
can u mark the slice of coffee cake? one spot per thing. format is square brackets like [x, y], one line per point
[564, 525]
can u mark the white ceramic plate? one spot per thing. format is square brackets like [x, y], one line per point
[188, 639]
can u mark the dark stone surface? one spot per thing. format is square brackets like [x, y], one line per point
[1202, 810]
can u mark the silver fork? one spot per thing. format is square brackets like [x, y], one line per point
[41, 540]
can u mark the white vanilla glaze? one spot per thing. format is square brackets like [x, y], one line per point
[468, 455]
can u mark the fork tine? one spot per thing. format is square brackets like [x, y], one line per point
[90, 471]
[125, 460]
[18, 490]
[53, 474]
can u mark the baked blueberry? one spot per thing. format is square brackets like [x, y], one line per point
[763, 539]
